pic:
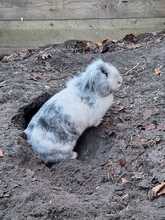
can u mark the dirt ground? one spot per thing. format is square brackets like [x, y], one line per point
[119, 161]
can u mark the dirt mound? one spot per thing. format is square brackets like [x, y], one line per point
[118, 162]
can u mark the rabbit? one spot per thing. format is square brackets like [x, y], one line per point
[54, 130]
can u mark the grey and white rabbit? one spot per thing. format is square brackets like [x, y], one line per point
[56, 127]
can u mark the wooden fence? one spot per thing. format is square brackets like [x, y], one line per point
[32, 23]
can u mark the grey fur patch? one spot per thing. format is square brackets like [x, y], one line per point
[103, 89]
[54, 120]
[88, 100]
[88, 96]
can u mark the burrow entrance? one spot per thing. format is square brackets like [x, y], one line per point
[25, 113]
[87, 145]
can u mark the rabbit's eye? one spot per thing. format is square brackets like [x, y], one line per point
[104, 71]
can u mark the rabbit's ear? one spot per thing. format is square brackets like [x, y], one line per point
[87, 83]
[104, 89]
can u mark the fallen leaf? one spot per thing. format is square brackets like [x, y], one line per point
[122, 162]
[138, 141]
[106, 41]
[37, 76]
[9, 58]
[82, 46]
[130, 38]
[108, 46]
[92, 46]
[157, 71]
[133, 46]
[161, 126]
[124, 180]
[158, 40]
[45, 56]
[1, 153]
[149, 112]
[157, 191]
[149, 127]
[99, 44]
[155, 140]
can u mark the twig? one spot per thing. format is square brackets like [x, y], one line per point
[58, 78]
[2, 84]
[132, 68]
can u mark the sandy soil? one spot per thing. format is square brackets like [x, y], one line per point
[119, 162]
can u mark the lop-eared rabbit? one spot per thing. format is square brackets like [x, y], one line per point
[55, 128]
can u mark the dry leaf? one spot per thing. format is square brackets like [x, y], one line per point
[106, 41]
[133, 46]
[149, 112]
[124, 180]
[138, 141]
[149, 127]
[1, 153]
[45, 56]
[130, 38]
[157, 191]
[122, 162]
[157, 71]
[9, 58]
[37, 76]
[161, 126]
[99, 44]
[91, 46]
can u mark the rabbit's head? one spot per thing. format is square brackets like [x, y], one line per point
[102, 78]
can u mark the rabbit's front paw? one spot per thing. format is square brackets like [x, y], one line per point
[74, 155]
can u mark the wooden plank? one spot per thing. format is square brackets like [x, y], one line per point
[16, 34]
[81, 9]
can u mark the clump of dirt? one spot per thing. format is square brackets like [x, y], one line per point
[119, 161]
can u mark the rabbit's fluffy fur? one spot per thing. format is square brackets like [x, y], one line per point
[56, 127]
